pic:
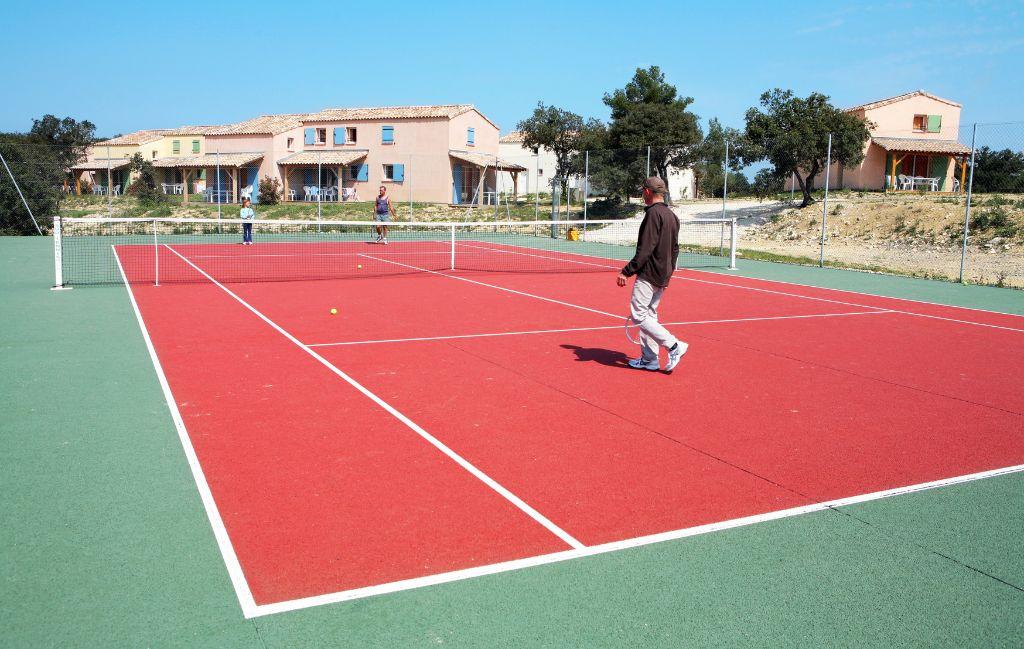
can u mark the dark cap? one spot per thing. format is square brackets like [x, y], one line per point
[655, 184]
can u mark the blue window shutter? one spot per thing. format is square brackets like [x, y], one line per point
[457, 185]
[470, 135]
[310, 135]
[399, 173]
[307, 176]
[339, 134]
[364, 173]
[387, 134]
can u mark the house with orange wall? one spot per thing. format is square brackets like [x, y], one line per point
[914, 146]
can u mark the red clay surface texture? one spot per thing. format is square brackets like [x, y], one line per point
[322, 490]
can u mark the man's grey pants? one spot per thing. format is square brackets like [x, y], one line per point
[643, 307]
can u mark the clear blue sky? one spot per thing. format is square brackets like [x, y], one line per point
[165, 64]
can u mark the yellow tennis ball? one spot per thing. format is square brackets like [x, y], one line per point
[334, 312]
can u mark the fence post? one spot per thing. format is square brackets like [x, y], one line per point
[536, 210]
[110, 188]
[725, 177]
[967, 210]
[319, 188]
[824, 204]
[586, 187]
[647, 174]
[792, 186]
[220, 229]
[408, 179]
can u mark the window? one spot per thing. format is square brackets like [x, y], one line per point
[540, 172]
[353, 171]
[387, 134]
[470, 136]
[350, 135]
[321, 136]
[175, 147]
[927, 123]
[154, 155]
[359, 172]
[291, 144]
[394, 173]
[195, 146]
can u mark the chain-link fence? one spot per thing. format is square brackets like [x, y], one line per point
[902, 210]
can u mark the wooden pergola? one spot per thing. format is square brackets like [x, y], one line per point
[899, 148]
[230, 163]
[108, 165]
[336, 160]
[485, 162]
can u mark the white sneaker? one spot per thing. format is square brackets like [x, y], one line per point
[385, 241]
[674, 356]
[641, 364]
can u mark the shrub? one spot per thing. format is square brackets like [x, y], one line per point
[270, 191]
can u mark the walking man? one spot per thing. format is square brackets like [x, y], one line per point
[657, 248]
[382, 213]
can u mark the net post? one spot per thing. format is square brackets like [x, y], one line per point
[452, 227]
[732, 246]
[156, 257]
[58, 256]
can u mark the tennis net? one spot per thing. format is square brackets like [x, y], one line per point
[100, 250]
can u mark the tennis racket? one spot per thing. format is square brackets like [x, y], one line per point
[632, 331]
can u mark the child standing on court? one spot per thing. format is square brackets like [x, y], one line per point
[248, 215]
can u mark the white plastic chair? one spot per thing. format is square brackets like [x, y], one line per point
[117, 190]
[247, 192]
[905, 182]
[330, 194]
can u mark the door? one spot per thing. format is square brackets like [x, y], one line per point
[252, 178]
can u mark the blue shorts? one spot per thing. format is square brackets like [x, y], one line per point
[383, 218]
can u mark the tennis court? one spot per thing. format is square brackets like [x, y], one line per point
[468, 410]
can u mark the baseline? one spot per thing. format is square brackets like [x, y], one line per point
[614, 546]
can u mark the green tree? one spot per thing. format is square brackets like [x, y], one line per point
[39, 173]
[648, 112]
[998, 171]
[710, 157]
[68, 138]
[144, 184]
[559, 131]
[792, 134]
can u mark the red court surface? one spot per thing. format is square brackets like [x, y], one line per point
[475, 421]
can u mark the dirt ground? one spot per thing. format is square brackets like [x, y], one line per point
[913, 234]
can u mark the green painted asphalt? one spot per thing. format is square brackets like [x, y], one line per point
[105, 542]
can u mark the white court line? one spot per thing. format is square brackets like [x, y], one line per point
[238, 581]
[500, 288]
[678, 274]
[553, 331]
[461, 461]
[615, 546]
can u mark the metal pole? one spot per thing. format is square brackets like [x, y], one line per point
[218, 190]
[732, 246]
[586, 187]
[110, 189]
[725, 177]
[647, 173]
[824, 204]
[496, 165]
[453, 246]
[536, 210]
[967, 210]
[408, 178]
[23, 201]
[156, 257]
[792, 186]
[319, 188]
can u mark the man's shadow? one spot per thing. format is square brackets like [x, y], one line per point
[607, 357]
